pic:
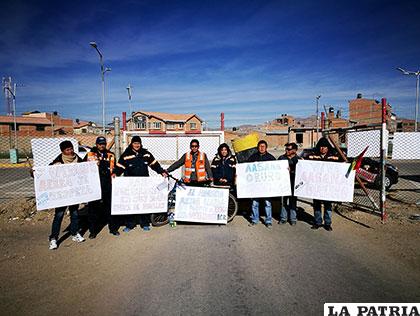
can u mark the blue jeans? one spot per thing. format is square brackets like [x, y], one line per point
[58, 218]
[318, 212]
[256, 211]
[288, 205]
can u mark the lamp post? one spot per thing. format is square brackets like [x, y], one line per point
[13, 93]
[103, 71]
[417, 74]
[317, 116]
[129, 104]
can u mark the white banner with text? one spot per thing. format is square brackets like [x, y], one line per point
[66, 184]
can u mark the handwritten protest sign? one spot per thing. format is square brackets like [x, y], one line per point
[66, 184]
[138, 195]
[203, 205]
[324, 180]
[263, 179]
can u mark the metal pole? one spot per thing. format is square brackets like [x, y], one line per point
[103, 94]
[384, 146]
[117, 135]
[14, 113]
[417, 101]
[317, 116]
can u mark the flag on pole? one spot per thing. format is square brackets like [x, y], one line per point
[357, 162]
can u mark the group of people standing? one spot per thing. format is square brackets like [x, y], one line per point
[197, 171]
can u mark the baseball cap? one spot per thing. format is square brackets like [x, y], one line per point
[101, 140]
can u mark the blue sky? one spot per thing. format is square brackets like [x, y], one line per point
[252, 60]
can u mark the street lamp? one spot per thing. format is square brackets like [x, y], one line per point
[417, 74]
[317, 115]
[103, 71]
[13, 93]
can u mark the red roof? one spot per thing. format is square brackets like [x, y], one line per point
[169, 117]
[25, 120]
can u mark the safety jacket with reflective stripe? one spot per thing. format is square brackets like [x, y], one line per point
[199, 167]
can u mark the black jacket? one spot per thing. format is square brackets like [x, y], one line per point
[328, 157]
[59, 160]
[135, 163]
[292, 168]
[224, 168]
[259, 157]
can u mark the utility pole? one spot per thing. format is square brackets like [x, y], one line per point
[130, 111]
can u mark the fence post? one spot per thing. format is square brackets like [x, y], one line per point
[384, 146]
[117, 137]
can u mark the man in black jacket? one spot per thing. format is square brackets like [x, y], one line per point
[134, 162]
[67, 156]
[289, 203]
[102, 208]
[323, 152]
[261, 155]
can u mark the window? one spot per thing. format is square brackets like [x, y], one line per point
[40, 128]
[12, 127]
[170, 125]
[299, 138]
[181, 125]
[193, 125]
[156, 125]
[140, 125]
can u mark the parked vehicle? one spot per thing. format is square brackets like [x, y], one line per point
[369, 170]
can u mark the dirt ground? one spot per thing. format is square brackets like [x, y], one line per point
[398, 236]
[83, 276]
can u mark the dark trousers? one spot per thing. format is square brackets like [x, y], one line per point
[132, 220]
[58, 219]
[100, 211]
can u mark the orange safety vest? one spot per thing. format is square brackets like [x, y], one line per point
[91, 156]
[199, 168]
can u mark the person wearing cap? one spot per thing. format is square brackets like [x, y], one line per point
[67, 156]
[289, 203]
[135, 162]
[261, 155]
[101, 209]
[323, 152]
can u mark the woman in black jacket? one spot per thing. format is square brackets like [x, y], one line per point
[223, 166]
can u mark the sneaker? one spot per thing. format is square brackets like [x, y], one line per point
[127, 229]
[328, 228]
[78, 238]
[53, 244]
[293, 223]
[114, 232]
[92, 236]
[315, 226]
[282, 222]
[269, 225]
[146, 228]
[252, 224]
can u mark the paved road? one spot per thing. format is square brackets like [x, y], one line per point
[199, 270]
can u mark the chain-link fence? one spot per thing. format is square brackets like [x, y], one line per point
[20, 152]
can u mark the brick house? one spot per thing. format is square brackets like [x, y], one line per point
[36, 124]
[369, 111]
[160, 123]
